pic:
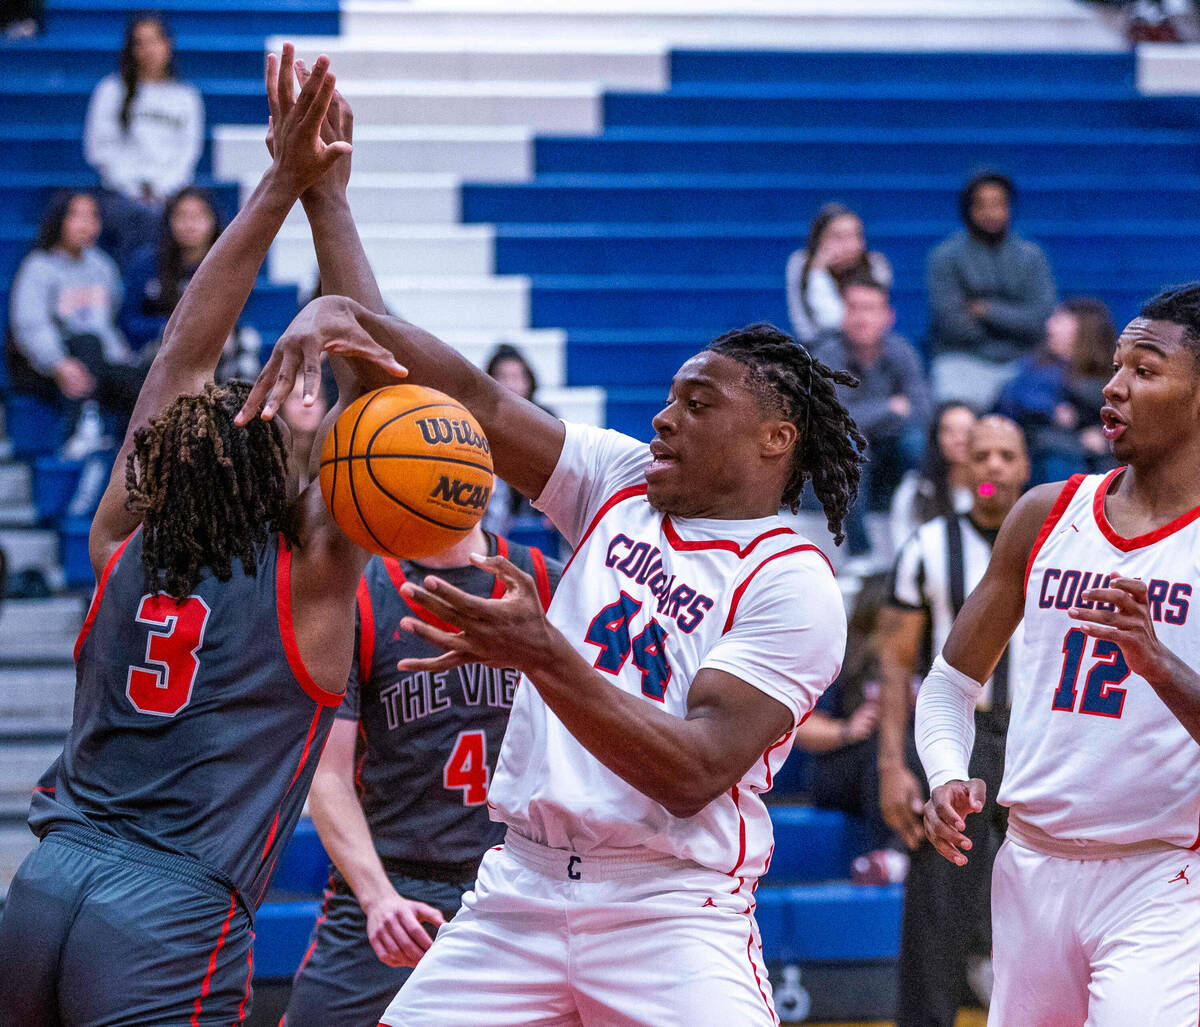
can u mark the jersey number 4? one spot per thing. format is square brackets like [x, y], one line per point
[467, 767]
[1101, 696]
[176, 635]
[610, 631]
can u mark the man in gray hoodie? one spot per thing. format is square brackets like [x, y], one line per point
[990, 292]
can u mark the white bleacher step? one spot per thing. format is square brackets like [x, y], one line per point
[494, 153]
[393, 250]
[778, 24]
[23, 515]
[21, 764]
[16, 485]
[442, 304]
[1168, 68]
[391, 199]
[571, 108]
[40, 629]
[41, 696]
[544, 348]
[613, 63]
[585, 404]
[32, 549]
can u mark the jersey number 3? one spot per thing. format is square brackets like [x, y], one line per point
[1101, 697]
[176, 635]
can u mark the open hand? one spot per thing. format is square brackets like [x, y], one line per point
[511, 631]
[301, 154]
[946, 813]
[901, 802]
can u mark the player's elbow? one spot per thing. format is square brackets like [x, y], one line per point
[693, 794]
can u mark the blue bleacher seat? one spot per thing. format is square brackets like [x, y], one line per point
[823, 922]
[303, 868]
[73, 551]
[281, 932]
[54, 482]
[36, 428]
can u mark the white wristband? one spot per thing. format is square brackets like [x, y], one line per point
[945, 726]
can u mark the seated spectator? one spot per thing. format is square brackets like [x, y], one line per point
[157, 276]
[836, 251]
[942, 485]
[990, 292]
[63, 339]
[144, 134]
[510, 368]
[891, 404]
[840, 733]
[1058, 392]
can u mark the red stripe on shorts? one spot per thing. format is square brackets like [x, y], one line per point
[212, 961]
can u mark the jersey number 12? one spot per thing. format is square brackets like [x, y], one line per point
[1101, 697]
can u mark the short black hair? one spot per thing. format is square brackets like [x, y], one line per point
[50, 229]
[788, 379]
[1178, 305]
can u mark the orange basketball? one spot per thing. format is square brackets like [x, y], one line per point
[406, 471]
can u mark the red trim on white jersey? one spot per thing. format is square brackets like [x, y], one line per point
[617, 497]
[366, 629]
[757, 979]
[741, 589]
[741, 833]
[770, 749]
[212, 962]
[94, 605]
[287, 630]
[1052, 518]
[679, 545]
[1138, 542]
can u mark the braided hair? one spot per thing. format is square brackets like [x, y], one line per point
[790, 381]
[207, 490]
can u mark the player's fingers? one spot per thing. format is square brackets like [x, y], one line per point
[285, 381]
[444, 640]
[415, 931]
[400, 948]
[447, 661]
[1121, 598]
[945, 806]
[428, 914]
[508, 572]
[443, 608]
[307, 100]
[260, 388]
[1135, 587]
[942, 838]
[286, 83]
[368, 350]
[977, 790]
[1105, 631]
[314, 116]
[273, 86]
[442, 594]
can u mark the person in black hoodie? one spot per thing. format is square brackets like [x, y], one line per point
[990, 292]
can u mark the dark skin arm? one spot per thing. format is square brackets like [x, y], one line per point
[213, 300]
[525, 440]
[977, 641]
[681, 763]
[897, 639]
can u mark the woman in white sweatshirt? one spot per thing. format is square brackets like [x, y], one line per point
[144, 135]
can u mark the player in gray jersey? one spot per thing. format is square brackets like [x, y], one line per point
[214, 652]
[400, 795]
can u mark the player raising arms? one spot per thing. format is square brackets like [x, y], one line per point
[1093, 918]
[693, 630]
[215, 650]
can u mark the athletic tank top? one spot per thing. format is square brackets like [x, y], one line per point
[1094, 757]
[196, 727]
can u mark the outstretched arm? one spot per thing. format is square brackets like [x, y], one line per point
[525, 440]
[213, 300]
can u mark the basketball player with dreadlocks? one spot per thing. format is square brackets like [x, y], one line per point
[213, 656]
[692, 631]
[1095, 909]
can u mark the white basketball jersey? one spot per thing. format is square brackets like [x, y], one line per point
[1093, 754]
[649, 600]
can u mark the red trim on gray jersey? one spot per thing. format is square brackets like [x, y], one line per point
[741, 589]
[679, 545]
[542, 576]
[366, 629]
[212, 962]
[94, 605]
[1052, 518]
[287, 630]
[1139, 541]
[617, 497]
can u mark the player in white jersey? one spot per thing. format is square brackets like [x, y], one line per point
[1096, 918]
[692, 632]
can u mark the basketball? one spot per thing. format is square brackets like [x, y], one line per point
[406, 471]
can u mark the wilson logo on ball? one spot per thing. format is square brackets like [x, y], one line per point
[440, 430]
[462, 493]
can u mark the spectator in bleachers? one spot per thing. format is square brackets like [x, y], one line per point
[934, 572]
[144, 134]
[840, 733]
[990, 292]
[891, 404]
[63, 340]
[1058, 392]
[158, 274]
[836, 251]
[942, 484]
[22, 19]
[508, 366]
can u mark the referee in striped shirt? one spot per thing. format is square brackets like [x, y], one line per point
[941, 949]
